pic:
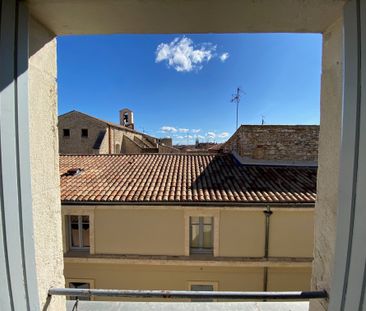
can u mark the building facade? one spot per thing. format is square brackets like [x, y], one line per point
[184, 221]
[80, 133]
[293, 144]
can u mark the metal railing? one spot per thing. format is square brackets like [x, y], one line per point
[177, 294]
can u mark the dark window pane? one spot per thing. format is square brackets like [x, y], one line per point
[79, 285]
[84, 133]
[66, 132]
[203, 287]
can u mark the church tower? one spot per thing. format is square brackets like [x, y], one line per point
[126, 118]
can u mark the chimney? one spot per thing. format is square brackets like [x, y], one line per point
[126, 118]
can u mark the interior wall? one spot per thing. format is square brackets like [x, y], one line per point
[328, 170]
[46, 205]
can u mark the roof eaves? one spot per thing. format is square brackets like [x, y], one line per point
[195, 203]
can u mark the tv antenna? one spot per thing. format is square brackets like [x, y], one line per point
[263, 120]
[236, 99]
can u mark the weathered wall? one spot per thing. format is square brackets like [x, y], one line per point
[129, 146]
[144, 276]
[44, 163]
[166, 141]
[275, 142]
[115, 140]
[167, 149]
[75, 144]
[328, 171]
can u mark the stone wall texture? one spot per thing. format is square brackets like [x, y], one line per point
[275, 142]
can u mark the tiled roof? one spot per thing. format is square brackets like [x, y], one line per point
[182, 178]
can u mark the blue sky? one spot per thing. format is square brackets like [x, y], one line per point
[181, 85]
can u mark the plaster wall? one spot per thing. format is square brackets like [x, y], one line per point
[44, 163]
[122, 276]
[145, 232]
[165, 231]
[328, 171]
[285, 279]
[204, 16]
[291, 234]
[242, 233]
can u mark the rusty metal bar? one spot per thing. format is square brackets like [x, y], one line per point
[294, 295]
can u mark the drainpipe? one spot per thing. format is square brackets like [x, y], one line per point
[267, 214]
[109, 140]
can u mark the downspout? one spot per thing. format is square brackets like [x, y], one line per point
[109, 140]
[267, 214]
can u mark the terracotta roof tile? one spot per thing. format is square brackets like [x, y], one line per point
[182, 178]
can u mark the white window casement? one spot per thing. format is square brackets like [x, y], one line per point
[78, 232]
[201, 232]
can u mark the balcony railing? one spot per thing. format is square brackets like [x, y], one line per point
[177, 294]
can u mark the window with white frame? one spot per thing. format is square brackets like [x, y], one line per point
[84, 285]
[79, 232]
[201, 234]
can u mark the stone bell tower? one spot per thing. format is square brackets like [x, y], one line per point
[126, 118]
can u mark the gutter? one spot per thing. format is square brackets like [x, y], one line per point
[196, 204]
[267, 214]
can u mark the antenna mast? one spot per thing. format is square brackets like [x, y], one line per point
[236, 99]
[263, 120]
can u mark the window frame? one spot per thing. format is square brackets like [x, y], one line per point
[72, 210]
[207, 212]
[80, 233]
[201, 224]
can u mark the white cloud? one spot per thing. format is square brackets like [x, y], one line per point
[183, 130]
[211, 134]
[182, 55]
[168, 129]
[223, 135]
[195, 131]
[179, 137]
[224, 56]
[200, 136]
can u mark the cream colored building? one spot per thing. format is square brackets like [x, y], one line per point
[186, 222]
[80, 133]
